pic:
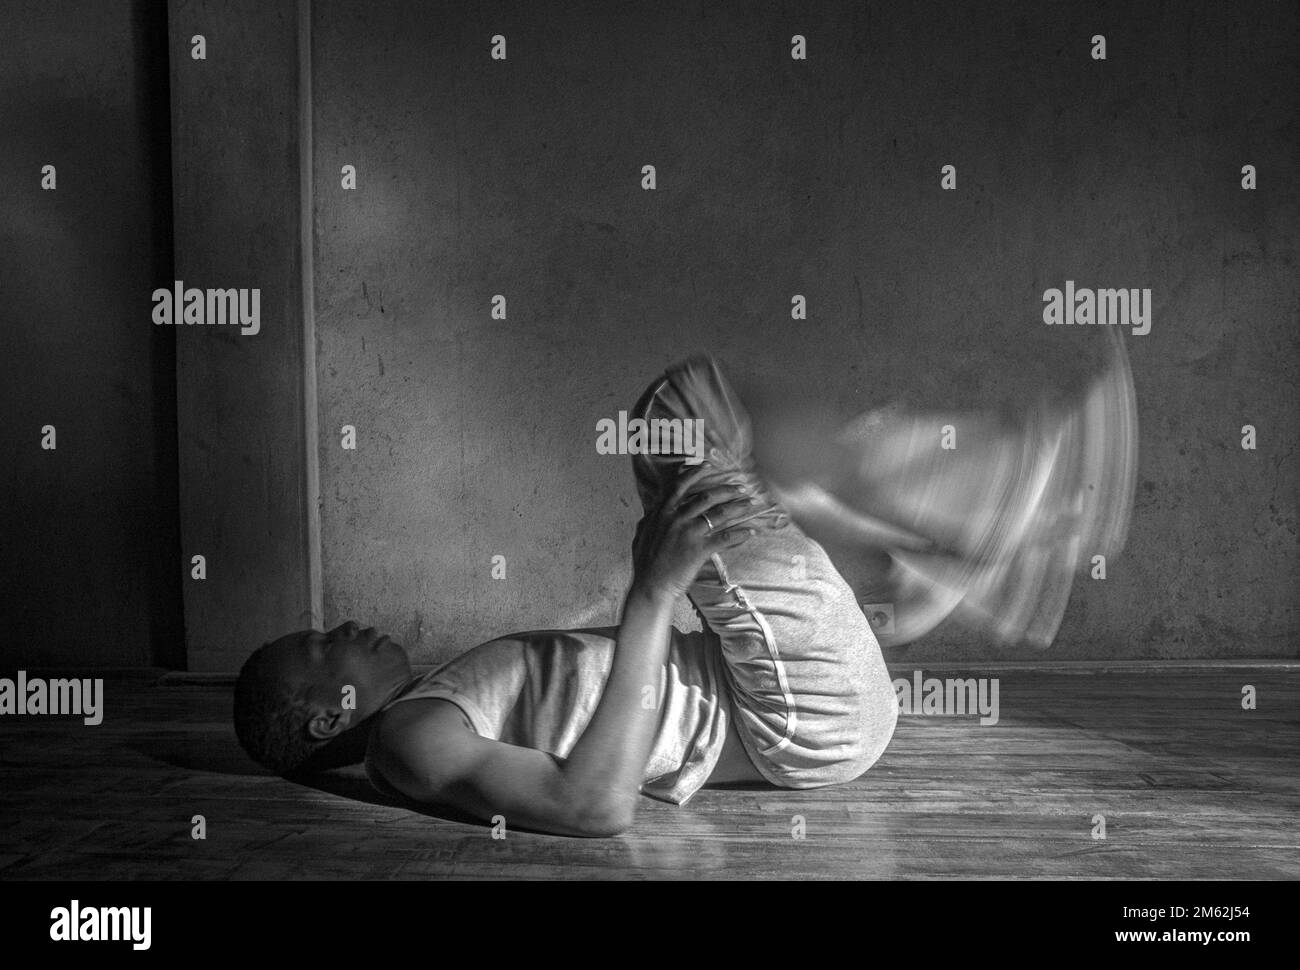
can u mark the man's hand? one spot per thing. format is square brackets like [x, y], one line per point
[596, 789]
[674, 540]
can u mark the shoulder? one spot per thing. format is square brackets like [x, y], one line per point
[418, 745]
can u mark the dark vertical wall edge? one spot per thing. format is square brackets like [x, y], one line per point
[167, 626]
[306, 264]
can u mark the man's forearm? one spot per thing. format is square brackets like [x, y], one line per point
[605, 768]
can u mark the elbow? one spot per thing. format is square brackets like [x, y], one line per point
[606, 818]
[613, 825]
[606, 827]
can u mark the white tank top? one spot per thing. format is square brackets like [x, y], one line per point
[539, 690]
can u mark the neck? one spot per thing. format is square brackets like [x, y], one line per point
[398, 688]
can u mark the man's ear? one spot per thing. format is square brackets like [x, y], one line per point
[329, 723]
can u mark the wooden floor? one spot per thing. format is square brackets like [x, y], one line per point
[1191, 786]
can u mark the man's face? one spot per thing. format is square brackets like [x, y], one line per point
[324, 664]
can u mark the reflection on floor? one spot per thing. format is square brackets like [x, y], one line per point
[1190, 786]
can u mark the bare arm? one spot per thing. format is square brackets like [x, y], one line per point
[427, 753]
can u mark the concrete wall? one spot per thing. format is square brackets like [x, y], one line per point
[479, 177]
[246, 494]
[89, 573]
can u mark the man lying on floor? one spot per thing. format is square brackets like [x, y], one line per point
[562, 731]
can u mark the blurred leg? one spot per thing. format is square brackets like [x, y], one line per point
[979, 519]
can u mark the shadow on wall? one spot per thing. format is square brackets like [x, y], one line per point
[92, 555]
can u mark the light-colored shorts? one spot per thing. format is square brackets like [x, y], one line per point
[810, 694]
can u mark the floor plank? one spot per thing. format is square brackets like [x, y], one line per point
[1191, 786]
